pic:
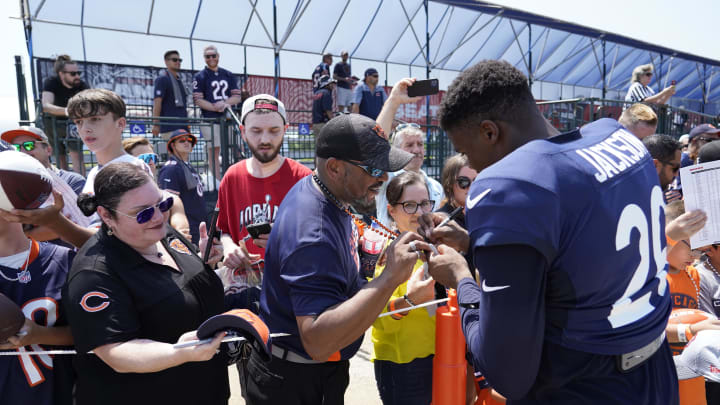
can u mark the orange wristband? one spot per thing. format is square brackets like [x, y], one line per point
[391, 307]
[670, 241]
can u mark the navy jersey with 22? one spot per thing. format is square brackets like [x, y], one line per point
[214, 86]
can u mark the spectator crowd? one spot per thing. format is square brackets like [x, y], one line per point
[564, 258]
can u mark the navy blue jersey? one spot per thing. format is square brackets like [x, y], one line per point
[320, 70]
[311, 264]
[370, 102]
[182, 179]
[31, 379]
[214, 86]
[589, 204]
[322, 101]
[164, 89]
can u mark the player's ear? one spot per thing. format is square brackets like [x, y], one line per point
[658, 165]
[489, 131]
[334, 168]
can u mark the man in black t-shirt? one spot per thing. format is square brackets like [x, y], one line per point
[56, 92]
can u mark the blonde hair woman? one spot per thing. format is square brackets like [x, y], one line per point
[639, 90]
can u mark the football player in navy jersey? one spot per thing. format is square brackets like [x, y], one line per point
[214, 90]
[567, 234]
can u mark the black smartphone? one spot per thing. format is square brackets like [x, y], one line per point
[211, 233]
[255, 230]
[424, 88]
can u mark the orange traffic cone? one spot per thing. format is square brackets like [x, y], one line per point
[449, 366]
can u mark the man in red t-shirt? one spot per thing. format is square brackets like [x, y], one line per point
[251, 191]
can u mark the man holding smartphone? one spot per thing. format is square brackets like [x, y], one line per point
[251, 191]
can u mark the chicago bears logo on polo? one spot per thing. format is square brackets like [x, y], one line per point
[94, 301]
[178, 246]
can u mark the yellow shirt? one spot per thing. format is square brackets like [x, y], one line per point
[406, 339]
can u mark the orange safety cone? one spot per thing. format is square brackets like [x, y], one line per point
[449, 365]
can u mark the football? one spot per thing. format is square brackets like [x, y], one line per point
[689, 316]
[11, 318]
[24, 182]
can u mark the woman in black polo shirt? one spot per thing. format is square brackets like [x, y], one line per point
[135, 289]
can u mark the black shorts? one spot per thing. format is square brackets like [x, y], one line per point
[284, 382]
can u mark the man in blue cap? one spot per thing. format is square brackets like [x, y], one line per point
[368, 97]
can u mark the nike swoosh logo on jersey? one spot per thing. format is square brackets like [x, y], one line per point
[472, 201]
[487, 288]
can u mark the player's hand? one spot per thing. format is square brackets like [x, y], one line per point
[450, 234]
[420, 290]
[708, 324]
[216, 251]
[27, 335]
[262, 239]
[449, 267]
[399, 92]
[239, 257]
[686, 225]
[401, 257]
[203, 352]
[155, 131]
[38, 216]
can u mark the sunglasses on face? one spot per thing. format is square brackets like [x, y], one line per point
[704, 139]
[373, 172]
[411, 207]
[149, 158]
[211, 56]
[146, 214]
[648, 74]
[184, 139]
[463, 182]
[175, 59]
[28, 145]
[75, 73]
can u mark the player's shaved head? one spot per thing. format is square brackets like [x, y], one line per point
[490, 90]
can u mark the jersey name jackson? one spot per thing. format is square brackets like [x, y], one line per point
[617, 153]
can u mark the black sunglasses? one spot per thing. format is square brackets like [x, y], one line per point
[463, 182]
[411, 207]
[27, 145]
[146, 214]
[369, 170]
[176, 59]
[704, 139]
[211, 55]
[75, 73]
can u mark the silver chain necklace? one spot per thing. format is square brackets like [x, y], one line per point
[23, 275]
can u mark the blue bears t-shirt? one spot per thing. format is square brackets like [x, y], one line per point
[320, 70]
[164, 89]
[32, 379]
[589, 205]
[311, 264]
[173, 176]
[214, 86]
[342, 69]
[322, 101]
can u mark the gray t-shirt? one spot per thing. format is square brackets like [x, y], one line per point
[709, 289]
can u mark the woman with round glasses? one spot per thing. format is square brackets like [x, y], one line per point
[136, 288]
[639, 90]
[456, 177]
[404, 343]
[140, 147]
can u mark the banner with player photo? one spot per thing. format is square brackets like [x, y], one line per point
[135, 85]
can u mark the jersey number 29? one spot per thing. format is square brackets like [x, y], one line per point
[626, 310]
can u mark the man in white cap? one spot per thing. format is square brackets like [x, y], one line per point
[251, 191]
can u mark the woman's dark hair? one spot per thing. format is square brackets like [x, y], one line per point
[396, 187]
[111, 183]
[450, 173]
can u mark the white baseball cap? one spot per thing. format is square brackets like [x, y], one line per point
[701, 357]
[264, 102]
